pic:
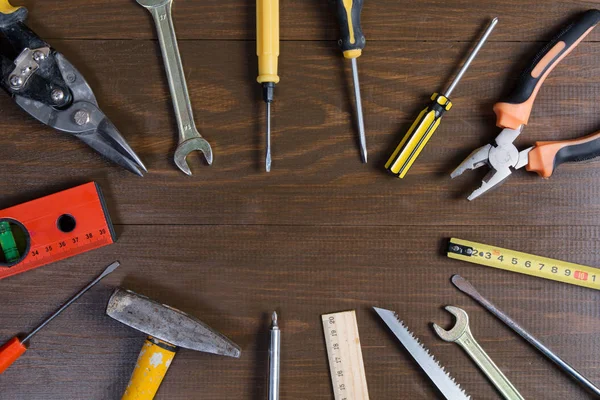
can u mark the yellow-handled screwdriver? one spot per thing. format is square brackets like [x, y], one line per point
[353, 42]
[267, 49]
[429, 119]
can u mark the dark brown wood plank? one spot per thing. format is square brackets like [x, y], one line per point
[231, 277]
[317, 176]
[389, 20]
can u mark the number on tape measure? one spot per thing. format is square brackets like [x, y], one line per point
[345, 356]
[528, 264]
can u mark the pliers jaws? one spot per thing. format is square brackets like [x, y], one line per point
[502, 158]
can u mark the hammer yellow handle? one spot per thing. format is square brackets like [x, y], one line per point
[151, 367]
[7, 8]
[267, 40]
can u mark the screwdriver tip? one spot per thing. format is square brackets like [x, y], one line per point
[274, 318]
[268, 163]
[111, 268]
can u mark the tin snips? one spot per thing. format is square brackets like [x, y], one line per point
[44, 84]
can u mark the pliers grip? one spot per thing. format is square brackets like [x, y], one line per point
[546, 156]
[516, 109]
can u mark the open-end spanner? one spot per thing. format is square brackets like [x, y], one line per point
[189, 137]
[461, 334]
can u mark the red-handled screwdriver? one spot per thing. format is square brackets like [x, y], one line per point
[14, 348]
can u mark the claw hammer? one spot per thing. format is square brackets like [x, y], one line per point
[168, 330]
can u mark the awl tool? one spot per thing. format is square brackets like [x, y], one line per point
[461, 335]
[169, 329]
[274, 358]
[467, 288]
[44, 84]
[267, 49]
[513, 113]
[15, 347]
[430, 118]
[353, 42]
[438, 375]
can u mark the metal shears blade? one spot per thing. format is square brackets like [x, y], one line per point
[502, 158]
[84, 120]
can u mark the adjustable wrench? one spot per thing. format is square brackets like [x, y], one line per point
[462, 335]
[189, 137]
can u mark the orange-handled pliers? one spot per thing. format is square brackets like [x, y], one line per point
[513, 114]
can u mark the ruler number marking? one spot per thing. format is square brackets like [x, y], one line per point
[539, 266]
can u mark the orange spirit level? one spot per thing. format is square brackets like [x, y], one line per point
[53, 228]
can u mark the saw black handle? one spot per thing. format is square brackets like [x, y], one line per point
[352, 39]
[516, 109]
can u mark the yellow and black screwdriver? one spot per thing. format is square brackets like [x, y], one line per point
[429, 119]
[353, 42]
[267, 49]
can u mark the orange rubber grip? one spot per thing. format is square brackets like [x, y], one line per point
[516, 109]
[546, 156]
[10, 352]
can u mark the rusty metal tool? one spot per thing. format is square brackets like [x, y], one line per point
[14, 348]
[461, 334]
[466, 287]
[189, 138]
[168, 329]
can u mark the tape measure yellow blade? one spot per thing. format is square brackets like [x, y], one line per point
[345, 356]
[523, 263]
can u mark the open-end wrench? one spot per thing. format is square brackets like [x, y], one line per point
[189, 137]
[462, 335]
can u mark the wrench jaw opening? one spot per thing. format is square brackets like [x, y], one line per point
[185, 148]
[460, 327]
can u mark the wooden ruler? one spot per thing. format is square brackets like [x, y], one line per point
[523, 263]
[345, 356]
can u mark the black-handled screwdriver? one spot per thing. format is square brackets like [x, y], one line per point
[353, 42]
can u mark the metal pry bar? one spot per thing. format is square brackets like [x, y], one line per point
[467, 288]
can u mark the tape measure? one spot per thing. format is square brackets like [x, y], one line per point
[345, 356]
[524, 263]
[53, 228]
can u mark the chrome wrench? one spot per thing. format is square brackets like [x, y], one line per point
[461, 334]
[189, 137]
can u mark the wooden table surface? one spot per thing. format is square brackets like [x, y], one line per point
[322, 232]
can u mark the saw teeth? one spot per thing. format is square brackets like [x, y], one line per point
[428, 354]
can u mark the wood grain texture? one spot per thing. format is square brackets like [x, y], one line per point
[321, 233]
[231, 276]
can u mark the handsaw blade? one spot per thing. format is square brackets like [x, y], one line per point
[442, 380]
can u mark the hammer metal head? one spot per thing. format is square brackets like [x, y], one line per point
[460, 327]
[168, 324]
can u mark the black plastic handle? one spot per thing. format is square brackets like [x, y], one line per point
[353, 40]
[515, 110]
[546, 156]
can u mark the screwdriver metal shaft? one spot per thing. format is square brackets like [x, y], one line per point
[359, 112]
[72, 300]
[268, 157]
[471, 57]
